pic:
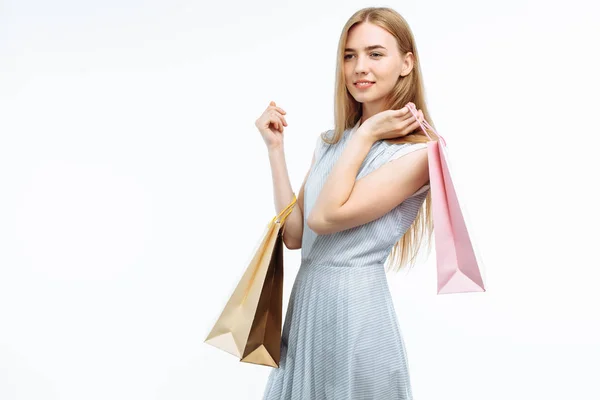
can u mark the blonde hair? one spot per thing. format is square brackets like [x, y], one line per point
[409, 88]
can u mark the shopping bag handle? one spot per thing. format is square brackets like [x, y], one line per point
[424, 124]
[282, 216]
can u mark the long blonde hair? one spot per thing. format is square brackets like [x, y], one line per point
[409, 88]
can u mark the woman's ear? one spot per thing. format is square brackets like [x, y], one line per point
[407, 63]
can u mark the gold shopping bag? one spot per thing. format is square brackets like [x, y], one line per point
[249, 326]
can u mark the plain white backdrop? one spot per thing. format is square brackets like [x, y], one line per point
[134, 186]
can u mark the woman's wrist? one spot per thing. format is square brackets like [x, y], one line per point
[275, 149]
[365, 135]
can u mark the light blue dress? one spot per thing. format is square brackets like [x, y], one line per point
[341, 339]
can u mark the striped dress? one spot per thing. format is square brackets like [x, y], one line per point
[340, 338]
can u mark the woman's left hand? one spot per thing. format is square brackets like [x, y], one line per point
[390, 124]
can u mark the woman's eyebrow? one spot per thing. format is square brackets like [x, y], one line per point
[375, 46]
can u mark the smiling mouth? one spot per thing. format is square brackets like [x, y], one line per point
[363, 85]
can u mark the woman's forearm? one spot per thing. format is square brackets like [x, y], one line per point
[340, 181]
[283, 196]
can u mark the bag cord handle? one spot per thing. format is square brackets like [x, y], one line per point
[282, 216]
[424, 124]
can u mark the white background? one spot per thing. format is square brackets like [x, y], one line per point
[134, 186]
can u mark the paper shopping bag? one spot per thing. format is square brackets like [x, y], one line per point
[264, 339]
[249, 326]
[458, 269]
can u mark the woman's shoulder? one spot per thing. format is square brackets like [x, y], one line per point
[396, 150]
[325, 138]
[320, 141]
[326, 134]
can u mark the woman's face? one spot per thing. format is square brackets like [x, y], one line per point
[372, 54]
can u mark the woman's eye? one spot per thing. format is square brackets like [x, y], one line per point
[347, 56]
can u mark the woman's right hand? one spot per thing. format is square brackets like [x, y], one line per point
[270, 125]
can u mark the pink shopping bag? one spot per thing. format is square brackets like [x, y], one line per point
[458, 270]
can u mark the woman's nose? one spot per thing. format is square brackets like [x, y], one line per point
[361, 65]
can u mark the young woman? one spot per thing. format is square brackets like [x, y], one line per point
[365, 195]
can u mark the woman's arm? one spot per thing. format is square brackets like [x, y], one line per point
[345, 202]
[283, 193]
